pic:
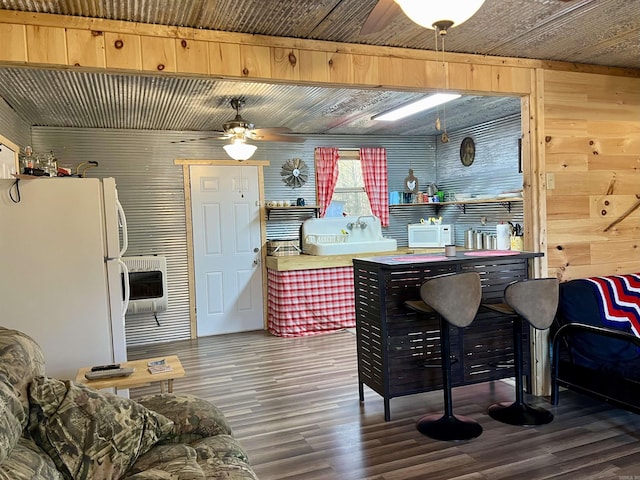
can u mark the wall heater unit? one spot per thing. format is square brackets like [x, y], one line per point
[148, 284]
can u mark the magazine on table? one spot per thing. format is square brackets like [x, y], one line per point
[159, 366]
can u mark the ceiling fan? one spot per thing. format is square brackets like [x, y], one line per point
[386, 11]
[240, 130]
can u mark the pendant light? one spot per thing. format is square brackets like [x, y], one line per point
[238, 149]
[442, 14]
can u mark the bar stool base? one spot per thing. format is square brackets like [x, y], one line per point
[449, 428]
[520, 414]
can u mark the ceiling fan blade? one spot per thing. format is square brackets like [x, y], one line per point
[269, 130]
[382, 15]
[220, 137]
[279, 138]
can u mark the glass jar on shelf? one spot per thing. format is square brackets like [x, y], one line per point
[50, 164]
[27, 161]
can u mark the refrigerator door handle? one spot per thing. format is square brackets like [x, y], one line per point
[127, 289]
[123, 224]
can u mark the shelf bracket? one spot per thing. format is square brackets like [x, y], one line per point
[314, 209]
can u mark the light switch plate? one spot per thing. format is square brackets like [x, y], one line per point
[551, 181]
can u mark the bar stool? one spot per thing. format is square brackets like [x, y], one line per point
[536, 301]
[455, 298]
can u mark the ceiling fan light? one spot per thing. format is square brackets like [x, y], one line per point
[240, 150]
[429, 13]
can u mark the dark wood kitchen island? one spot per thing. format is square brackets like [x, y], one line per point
[398, 349]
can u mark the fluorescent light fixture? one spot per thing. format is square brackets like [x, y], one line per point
[429, 13]
[239, 150]
[415, 107]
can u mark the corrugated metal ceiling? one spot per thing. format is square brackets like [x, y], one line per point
[63, 98]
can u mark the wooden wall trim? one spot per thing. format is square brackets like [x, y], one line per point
[198, 38]
[223, 162]
[538, 173]
[263, 248]
[535, 220]
[186, 178]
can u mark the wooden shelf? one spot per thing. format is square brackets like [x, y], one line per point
[506, 201]
[22, 176]
[460, 202]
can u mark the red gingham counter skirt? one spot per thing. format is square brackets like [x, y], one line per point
[310, 302]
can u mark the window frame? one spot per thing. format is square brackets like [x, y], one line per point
[352, 190]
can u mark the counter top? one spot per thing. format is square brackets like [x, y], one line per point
[309, 262]
[471, 256]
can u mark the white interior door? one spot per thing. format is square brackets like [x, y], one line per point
[226, 239]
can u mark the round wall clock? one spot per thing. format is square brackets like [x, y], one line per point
[467, 151]
[294, 172]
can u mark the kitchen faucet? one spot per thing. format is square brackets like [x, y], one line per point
[358, 223]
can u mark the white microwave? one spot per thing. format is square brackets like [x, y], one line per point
[428, 236]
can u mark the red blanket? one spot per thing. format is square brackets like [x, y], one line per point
[619, 301]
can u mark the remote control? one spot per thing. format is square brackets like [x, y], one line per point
[115, 372]
[98, 368]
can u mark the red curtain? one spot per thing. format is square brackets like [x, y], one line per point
[374, 171]
[326, 159]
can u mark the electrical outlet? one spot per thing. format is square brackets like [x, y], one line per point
[551, 181]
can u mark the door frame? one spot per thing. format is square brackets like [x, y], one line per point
[186, 176]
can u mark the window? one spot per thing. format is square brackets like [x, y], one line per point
[369, 169]
[350, 188]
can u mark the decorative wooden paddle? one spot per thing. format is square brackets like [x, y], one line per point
[625, 214]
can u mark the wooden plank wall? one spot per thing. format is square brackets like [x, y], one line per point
[56, 40]
[592, 154]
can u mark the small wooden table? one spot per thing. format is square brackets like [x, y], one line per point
[138, 378]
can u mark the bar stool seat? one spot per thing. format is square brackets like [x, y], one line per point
[455, 298]
[536, 301]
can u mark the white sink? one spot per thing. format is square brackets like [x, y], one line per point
[345, 235]
[384, 245]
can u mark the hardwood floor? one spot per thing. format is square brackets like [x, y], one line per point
[293, 405]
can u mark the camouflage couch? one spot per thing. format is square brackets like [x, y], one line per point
[52, 429]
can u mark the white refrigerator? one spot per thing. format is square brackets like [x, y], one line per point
[62, 280]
